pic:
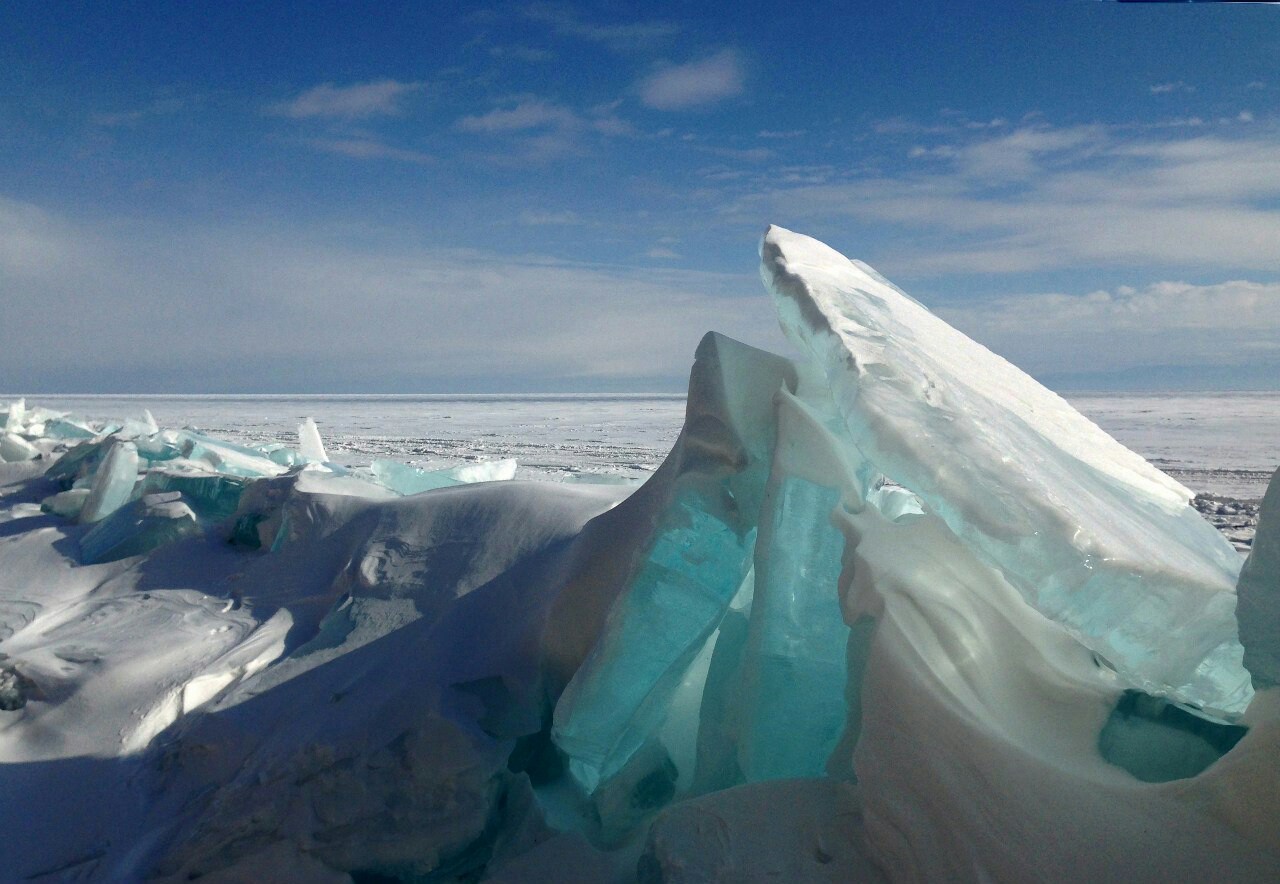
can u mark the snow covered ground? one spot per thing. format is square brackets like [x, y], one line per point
[890, 610]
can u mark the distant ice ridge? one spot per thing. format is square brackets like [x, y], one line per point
[890, 612]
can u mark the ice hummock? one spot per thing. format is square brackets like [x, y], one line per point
[1085, 529]
[876, 615]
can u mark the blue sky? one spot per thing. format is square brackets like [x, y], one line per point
[429, 197]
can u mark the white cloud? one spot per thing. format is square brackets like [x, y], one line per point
[696, 84]
[530, 114]
[373, 99]
[662, 253]
[544, 131]
[1043, 197]
[1167, 323]
[1166, 88]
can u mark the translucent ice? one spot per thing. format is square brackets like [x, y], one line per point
[151, 521]
[113, 483]
[1087, 531]
[793, 675]
[708, 493]
[68, 428]
[136, 427]
[213, 496]
[404, 479]
[226, 457]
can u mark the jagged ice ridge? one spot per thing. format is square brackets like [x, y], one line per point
[892, 611]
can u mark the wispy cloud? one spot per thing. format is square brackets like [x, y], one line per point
[529, 114]
[548, 219]
[696, 84]
[367, 148]
[620, 36]
[160, 107]
[378, 98]
[788, 133]
[226, 292]
[1166, 323]
[541, 131]
[1042, 197]
[530, 54]
[1165, 88]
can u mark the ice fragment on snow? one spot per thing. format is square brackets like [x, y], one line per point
[17, 414]
[152, 521]
[226, 457]
[407, 480]
[212, 495]
[13, 448]
[66, 503]
[68, 428]
[309, 444]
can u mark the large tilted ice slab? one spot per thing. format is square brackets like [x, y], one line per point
[1259, 590]
[1088, 532]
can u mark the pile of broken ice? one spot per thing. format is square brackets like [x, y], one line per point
[891, 611]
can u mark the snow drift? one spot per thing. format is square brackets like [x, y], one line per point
[890, 611]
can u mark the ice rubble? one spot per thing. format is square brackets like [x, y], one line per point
[892, 611]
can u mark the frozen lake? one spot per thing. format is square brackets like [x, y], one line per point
[1224, 444]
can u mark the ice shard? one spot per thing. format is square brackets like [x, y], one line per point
[66, 503]
[149, 522]
[1258, 608]
[226, 457]
[404, 479]
[17, 414]
[113, 483]
[137, 427]
[214, 497]
[68, 428]
[792, 682]
[309, 444]
[609, 719]
[1088, 532]
[13, 448]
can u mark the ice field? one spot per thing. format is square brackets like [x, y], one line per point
[883, 608]
[1219, 444]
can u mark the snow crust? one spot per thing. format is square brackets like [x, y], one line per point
[888, 612]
